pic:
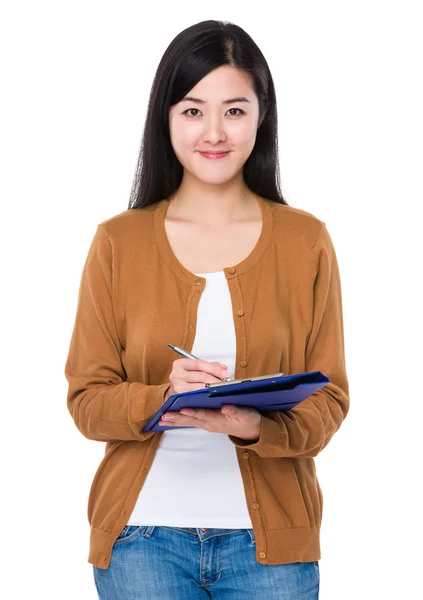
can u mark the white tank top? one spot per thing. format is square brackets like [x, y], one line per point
[195, 480]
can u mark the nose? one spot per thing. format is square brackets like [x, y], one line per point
[213, 131]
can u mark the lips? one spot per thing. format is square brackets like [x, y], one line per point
[214, 155]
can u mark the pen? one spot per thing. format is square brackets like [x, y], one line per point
[186, 354]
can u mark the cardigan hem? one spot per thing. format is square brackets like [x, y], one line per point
[281, 546]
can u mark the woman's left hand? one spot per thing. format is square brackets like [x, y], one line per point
[239, 421]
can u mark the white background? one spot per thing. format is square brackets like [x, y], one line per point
[75, 80]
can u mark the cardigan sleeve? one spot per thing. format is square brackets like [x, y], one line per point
[104, 406]
[307, 428]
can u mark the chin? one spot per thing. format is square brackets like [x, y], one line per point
[216, 176]
[215, 179]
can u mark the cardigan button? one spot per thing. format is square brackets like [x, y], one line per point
[256, 506]
[246, 455]
[243, 363]
[232, 270]
[262, 555]
[240, 313]
[190, 326]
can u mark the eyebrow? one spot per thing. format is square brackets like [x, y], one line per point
[230, 101]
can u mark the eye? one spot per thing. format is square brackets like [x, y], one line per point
[241, 112]
[190, 116]
[188, 110]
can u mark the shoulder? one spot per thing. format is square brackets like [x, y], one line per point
[295, 224]
[137, 222]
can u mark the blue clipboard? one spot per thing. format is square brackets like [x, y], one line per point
[264, 393]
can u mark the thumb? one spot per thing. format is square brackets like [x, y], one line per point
[229, 410]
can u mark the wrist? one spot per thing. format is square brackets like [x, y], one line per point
[254, 437]
[167, 394]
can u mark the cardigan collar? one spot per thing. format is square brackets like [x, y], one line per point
[231, 271]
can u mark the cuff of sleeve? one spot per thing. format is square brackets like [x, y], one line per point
[269, 438]
[142, 409]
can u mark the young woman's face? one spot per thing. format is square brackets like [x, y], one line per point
[209, 123]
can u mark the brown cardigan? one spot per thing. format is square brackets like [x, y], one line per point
[135, 297]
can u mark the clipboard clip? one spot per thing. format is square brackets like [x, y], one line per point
[228, 383]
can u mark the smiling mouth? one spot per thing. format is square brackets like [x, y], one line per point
[213, 151]
[214, 154]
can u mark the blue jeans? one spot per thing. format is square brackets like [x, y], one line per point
[172, 563]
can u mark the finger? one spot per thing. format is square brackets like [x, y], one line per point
[177, 419]
[197, 377]
[231, 411]
[215, 362]
[203, 414]
[197, 364]
[239, 412]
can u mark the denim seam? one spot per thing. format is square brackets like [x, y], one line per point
[130, 537]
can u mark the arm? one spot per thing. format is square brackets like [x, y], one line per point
[104, 406]
[307, 428]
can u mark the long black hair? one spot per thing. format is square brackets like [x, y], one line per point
[190, 56]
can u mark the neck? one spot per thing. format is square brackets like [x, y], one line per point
[213, 204]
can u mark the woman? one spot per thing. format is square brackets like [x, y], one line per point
[210, 257]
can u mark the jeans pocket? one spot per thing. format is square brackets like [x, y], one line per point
[129, 533]
[252, 535]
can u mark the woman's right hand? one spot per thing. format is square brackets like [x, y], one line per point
[190, 374]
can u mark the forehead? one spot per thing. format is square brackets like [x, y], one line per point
[222, 84]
